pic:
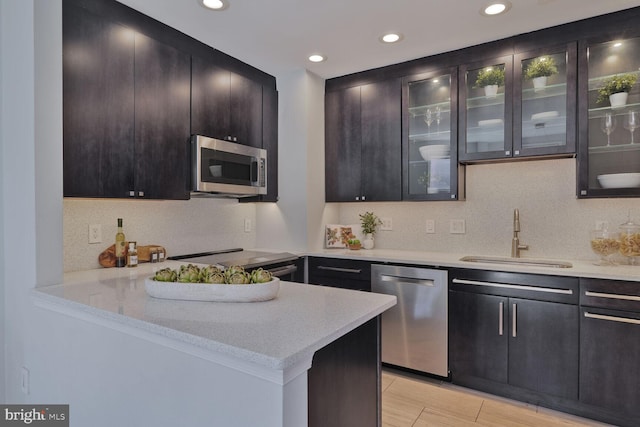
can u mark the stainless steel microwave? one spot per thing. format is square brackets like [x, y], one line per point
[227, 168]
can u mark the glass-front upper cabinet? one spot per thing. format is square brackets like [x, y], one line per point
[430, 157]
[609, 155]
[544, 106]
[485, 112]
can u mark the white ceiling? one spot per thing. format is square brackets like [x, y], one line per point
[277, 36]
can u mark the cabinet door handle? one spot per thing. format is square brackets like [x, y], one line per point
[612, 296]
[340, 270]
[611, 318]
[521, 287]
[501, 319]
[514, 321]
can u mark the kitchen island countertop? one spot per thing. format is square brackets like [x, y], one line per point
[275, 335]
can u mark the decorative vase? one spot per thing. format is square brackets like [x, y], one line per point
[618, 100]
[491, 91]
[539, 83]
[367, 243]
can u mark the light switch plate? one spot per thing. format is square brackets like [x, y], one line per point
[430, 226]
[247, 225]
[457, 226]
[387, 224]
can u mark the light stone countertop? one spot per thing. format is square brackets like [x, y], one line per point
[580, 268]
[275, 334]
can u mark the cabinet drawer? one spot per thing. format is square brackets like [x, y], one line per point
[519, 285]
[342, 273]
[613, 294]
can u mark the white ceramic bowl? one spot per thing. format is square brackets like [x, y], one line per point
[210, 292]
[429, 152]
[619, 180]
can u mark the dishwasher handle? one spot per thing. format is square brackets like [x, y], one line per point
[340, 270]
[405, 280]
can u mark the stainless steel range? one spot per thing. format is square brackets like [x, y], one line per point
[284, 265]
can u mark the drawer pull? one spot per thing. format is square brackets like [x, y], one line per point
[612, 296]
[340, 270]
[501, 319]
[611, 318]
[514, 321]
[520, 287]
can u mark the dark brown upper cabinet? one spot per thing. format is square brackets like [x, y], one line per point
[530, 115]
[609, 154]
[98, 106]
[430, 137]
[486, 110]
[363, 143]
[224, 104]
[544, 105]
[125, 111]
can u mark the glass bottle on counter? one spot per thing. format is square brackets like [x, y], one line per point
[121, 260]
[630, 240]
[132, 255]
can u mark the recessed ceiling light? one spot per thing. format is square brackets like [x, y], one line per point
[495, 8]
[617, 44]
[214, 4]
[391, 37]
[316, 57]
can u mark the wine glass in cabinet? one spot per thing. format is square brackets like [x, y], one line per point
[609, 156]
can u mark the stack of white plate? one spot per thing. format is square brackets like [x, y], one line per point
[430, 152]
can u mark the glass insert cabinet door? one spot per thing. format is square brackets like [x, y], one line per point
[544, 103]
[486, 109]
[613, 111]
[430, 155]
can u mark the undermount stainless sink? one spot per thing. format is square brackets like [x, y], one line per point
[518, 261]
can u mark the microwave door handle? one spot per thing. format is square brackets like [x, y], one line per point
[254, 171]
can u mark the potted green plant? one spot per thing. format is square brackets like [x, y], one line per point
[616, 89]
[490, 79]
[539, 70]
[369, 222]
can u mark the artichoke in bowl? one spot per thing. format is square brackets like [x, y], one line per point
[261, 276]
[236, 275]
[189, 274]
[166, 275]
[211, 274]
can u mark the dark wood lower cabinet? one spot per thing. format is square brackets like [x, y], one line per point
[344, 380]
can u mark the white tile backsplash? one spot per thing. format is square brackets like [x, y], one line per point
[195, 225]
[554, 223]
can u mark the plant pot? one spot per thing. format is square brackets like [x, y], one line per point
[491, 91]
[367, 243]
[355, 247]
[618, 100]
[539, 83]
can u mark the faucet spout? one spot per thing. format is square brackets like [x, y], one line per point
[516, 247]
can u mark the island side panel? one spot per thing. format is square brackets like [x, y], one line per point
[344, 380]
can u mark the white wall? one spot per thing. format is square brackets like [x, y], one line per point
[3, 105]
[293, 222]
[18, 182]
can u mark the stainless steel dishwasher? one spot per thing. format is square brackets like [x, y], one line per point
[414, 332]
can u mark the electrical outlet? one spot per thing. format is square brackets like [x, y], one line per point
[24, 385]
[387, 224]
[601, 225]
[430, 226]
[95, 233]
[247, 225]
[457, 226]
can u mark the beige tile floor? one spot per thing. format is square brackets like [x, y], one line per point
[413, 401]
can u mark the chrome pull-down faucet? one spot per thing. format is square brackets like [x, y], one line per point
[516, 247]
